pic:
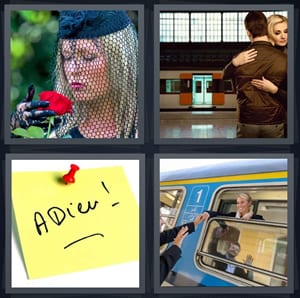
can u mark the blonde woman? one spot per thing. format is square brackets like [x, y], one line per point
[96, 68]
[278, 31]
[278, 36]
[243, 204]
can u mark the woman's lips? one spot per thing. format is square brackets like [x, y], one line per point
[77, 85]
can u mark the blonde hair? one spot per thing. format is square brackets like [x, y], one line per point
[245, 196]
[120, 49]
[272, 21]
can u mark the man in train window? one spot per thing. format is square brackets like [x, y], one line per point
[232, 252]
[260, 114]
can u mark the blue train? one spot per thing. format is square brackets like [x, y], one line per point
[186, 193]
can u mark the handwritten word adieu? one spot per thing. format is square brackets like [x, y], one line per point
[57, 215]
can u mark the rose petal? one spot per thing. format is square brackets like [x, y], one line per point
[58, 103]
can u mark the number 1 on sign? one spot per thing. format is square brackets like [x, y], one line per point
[199, 195]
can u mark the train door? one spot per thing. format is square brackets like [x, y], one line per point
[201, 94]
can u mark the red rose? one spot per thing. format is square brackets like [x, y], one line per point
[59, 103]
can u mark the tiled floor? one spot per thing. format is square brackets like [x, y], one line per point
[199, 124]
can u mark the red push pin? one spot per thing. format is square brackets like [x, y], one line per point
[69, 177]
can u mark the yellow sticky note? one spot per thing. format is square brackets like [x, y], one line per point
[91, 223]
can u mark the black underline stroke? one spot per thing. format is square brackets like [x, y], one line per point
[92, 235]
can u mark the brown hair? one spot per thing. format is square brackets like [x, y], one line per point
[256, 23]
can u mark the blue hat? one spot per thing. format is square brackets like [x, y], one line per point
[77, 24]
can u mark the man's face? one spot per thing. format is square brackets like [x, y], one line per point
[233, 250]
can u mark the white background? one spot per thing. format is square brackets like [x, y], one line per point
[123, 276]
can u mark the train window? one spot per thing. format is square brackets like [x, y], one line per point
[168, 86]
[170, 202]
[269, 201]
[273, 211]
[174, 86]
[247, 252]
[228, 87]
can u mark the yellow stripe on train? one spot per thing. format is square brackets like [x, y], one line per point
[259, 176]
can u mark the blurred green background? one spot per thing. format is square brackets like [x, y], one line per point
[32, 45]
[32, 51]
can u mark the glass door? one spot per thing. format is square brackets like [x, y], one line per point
[201, 85]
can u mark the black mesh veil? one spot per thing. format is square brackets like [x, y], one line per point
[99, 75]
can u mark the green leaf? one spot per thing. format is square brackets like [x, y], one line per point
[35, 132]
[21, 132]
[29, 133]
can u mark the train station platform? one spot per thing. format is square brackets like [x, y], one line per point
[198, 124]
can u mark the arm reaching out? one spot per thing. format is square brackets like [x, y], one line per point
[170, 257]
[200, 218]
[183, 232]
[240, 59]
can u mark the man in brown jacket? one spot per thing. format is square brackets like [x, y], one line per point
[261, 114]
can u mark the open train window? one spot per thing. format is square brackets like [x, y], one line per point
[228, 242]
[269, 201]
[170, 202]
